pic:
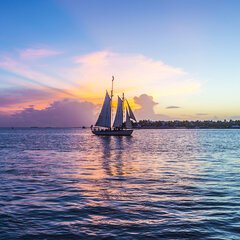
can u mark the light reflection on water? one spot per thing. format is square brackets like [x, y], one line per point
[162, 184]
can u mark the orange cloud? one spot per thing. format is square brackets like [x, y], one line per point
[134, 73]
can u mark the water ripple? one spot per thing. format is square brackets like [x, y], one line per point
[158, 184]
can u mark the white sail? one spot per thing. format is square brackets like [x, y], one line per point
[131, 115]
[104, 119]
[128, 121]
[119, 115]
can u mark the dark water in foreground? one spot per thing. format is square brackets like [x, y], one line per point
[158, 184]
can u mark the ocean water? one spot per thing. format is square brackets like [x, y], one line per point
[157, 184]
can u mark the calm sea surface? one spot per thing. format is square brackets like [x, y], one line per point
[157, 184]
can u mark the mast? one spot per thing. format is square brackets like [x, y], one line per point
[123, 104]
[112, 88]
[111, 102]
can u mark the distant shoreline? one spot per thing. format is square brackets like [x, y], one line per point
[135, 128]
[210, 124]
[184, 128]
[148, 124]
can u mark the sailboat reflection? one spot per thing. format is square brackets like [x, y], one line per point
[106, 158]
[116, 153]
[119, 153]
[115, 165]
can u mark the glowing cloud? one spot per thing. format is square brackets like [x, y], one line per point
[135, 74]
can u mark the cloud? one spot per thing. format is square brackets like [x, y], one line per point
[147, 108]
[27, 74]
[172, 107]
[36, 53]
[64, 113]
[9, 97]
[201, 114]
[134, 73]
[89, 75]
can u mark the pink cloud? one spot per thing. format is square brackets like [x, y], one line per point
[36, 53]
[10, 97]
[63, 113]
[31, 76]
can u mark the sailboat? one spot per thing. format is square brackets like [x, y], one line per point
[103, 125]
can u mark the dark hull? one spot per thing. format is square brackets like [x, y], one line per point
[124, 132]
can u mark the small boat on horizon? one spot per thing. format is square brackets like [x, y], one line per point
[103, 125]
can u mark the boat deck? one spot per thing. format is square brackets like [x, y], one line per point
[122, 132]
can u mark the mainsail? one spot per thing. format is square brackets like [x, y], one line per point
[118, 122]
[131, 115]
[104, 119]
[128, 121]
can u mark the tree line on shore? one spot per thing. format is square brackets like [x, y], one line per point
[188, 124]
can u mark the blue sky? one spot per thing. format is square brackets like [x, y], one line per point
[199, 37]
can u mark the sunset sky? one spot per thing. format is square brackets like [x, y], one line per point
[174, 59]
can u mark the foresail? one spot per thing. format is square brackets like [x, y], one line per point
[128, 121]
[119, 115]
[104, 119]
[131, 115]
